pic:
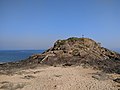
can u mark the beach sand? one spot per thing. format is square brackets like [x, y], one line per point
[58, 78]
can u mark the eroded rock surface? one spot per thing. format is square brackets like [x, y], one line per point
[73, 51]
[81, 51]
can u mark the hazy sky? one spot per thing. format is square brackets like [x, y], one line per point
[37, 24]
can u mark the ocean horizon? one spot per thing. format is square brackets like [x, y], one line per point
[16, 55]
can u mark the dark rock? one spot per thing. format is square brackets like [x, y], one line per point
[28, 77]
[67, 64]
[117, 80]
[100, 76]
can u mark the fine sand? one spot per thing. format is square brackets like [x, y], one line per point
[59, 78]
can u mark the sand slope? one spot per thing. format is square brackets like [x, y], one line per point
[57, 78]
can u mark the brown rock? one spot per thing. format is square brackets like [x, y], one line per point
[74, 51]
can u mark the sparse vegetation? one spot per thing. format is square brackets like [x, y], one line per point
[72, 39]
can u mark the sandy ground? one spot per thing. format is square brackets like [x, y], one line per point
[58, 78]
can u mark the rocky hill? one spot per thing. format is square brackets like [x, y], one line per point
[81, 47]
[74, 51]
[80, 51]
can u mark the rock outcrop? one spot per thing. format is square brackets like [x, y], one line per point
[80, 51]
[81, 47]
[78, 47]
[75, 51]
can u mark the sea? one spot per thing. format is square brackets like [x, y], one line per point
[16, 55]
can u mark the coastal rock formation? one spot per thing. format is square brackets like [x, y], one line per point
[81, 47]
[73, 51]
[80, 51]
